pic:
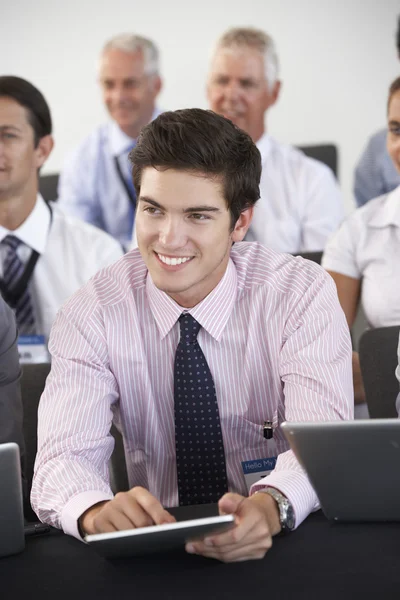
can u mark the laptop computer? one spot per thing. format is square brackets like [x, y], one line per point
[12, 539]
[354, 466]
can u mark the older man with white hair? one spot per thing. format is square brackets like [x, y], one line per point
[95, 183]
[300, 202]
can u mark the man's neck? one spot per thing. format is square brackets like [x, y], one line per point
[133, 131]
[258, 133]
[14, 210]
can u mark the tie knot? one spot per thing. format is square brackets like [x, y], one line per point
[189, 328]
[10, 241]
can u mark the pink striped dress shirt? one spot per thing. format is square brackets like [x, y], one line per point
[277, 344]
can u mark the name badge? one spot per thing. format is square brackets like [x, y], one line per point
[32, 349]
[254, 470]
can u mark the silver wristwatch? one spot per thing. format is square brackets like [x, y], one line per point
[286, 512]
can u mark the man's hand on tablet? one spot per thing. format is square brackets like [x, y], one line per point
[127, 510]
[257, 520]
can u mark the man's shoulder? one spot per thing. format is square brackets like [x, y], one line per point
[260, 267]
[377, 141]
[89, 147]
[80, 232]
[364, 215]
[298, 161]
[112, 285]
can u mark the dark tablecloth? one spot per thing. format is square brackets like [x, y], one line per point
[320, 560]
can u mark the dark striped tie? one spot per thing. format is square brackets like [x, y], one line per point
[200, 456]
[13, 269]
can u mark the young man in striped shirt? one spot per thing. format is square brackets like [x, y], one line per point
[190, 343]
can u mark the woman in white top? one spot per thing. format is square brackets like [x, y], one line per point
[363, 256]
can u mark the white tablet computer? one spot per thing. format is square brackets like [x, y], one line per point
[157, 538]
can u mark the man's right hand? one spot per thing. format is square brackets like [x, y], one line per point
[127, 510]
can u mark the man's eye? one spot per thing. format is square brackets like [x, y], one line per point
[151, 210]
[198, 217]
[395, 130]
[8, 136]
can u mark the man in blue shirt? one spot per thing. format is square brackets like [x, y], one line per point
[95, 183]
[375, 173]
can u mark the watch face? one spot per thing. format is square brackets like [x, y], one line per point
[290, 520]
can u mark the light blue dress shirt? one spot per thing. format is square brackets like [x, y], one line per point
[375, 173]
[90, 187]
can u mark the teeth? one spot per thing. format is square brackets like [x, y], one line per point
[173, 261]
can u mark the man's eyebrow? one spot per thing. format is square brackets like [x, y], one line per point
[192, 209]
[4, 127]
[394, 124]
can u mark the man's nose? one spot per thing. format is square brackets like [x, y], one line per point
[232, 91]
[172, 233]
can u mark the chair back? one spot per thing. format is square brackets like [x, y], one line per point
[32, 385]
[314, 256]
[326, 153]
[378, 361]
[48, 185]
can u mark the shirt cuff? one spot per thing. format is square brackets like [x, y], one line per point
[76, 507]
[297, 489]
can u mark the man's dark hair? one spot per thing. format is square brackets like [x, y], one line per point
[200, 141]
[398, 36]
[393, 89]
[32, 100]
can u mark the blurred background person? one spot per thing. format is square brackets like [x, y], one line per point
[300, 202]
[45, 255]
[11, 412]
[375, 173]
[95, 183]
[363, 256]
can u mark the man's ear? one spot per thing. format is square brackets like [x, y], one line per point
[273, 95]
[157, 84]
[242, 224]
[43, 150]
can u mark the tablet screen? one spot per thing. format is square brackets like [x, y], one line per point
[157, 538]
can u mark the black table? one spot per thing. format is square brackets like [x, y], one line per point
[320, 560]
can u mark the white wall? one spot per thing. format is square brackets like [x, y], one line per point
[337, 60]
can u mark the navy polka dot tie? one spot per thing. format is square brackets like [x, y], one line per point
[200, 456]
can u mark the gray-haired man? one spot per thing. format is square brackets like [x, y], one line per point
[95, 183]
[300, 204]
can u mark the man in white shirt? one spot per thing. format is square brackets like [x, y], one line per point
[300, 202]
[95, 184]
[45, 255]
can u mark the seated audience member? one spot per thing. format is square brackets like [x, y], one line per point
[362, 256]
[375, 173]
[300, 202]
[11, 413]
[398, 379]
[191, 341]
[45, 255]
[95, 184]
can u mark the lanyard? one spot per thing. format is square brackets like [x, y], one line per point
[12, 296]
[131, 197]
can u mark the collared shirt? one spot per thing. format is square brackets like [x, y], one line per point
[90, 187]
[277, 344]
[367, 247]
[375, 173]
[300, 203]
[70, 253]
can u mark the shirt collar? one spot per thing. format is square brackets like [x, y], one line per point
[264, 146]
[389, 213]
[35, 229]
[212, 313]
[120, 142]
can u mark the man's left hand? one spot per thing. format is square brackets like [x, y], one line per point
[256, 521]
